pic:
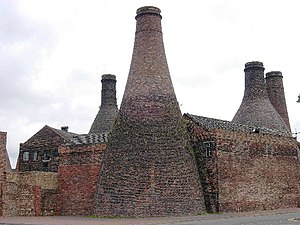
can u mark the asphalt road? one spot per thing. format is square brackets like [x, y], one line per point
[275, 217]
[282, 219]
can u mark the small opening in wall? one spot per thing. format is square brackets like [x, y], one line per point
[25, 156]
[55, 154]
[208, 147]
[46, 156]
[35, 156]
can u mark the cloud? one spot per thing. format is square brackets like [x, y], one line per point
[53, 53]
[23, 44]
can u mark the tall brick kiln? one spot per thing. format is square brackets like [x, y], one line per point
[147, 167]
[252, 162]
[108, 109]
[275, 90]
[256, 108]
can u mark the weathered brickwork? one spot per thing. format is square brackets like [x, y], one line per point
[108, 110]
[256, 108]
[40, 152]
[275, 90]
[146, 160]
[78, 176]
[147, 167]
[245, 170]
[4, 167]
[265, 177]
[30, 194]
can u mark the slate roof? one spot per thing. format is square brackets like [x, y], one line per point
[93, 138]
[65, 135]
[210, 123]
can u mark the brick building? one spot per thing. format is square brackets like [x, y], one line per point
[148, 159]
[40, 152]
[78, 173]
[244, 167]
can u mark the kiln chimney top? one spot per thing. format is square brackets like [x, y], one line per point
[108, 77]
[147, 10]
[274, 74]
[254, 65]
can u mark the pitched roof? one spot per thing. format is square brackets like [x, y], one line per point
[89, 139]
[65, 135]
[210, 123]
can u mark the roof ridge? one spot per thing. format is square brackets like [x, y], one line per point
[212, 123]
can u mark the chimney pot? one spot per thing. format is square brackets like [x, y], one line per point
[65, 128]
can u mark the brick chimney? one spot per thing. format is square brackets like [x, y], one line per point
[256, 108]
[275, 90]
[108, 109]
[147, 169]
[65, 128]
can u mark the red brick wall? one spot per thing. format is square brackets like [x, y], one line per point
[37, 200]
[249, 171]
[78, 176]
[257, 172]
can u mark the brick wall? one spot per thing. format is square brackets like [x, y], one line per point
[246, 170]
[45, 140]
[30, 194]
[257, 172]
[4, 166]
[78, 176]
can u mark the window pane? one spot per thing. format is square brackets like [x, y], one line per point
[46, 155]
[26, 156]
[55, 154]
[35, 156]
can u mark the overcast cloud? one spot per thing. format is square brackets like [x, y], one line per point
[53, 53]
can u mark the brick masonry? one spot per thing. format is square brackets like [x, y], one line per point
[157, 163]
[5, 167]
[108, 110]
[147, 167]
[30, 194]
[275, 90]
[42, 150]
[256, 108]
[247, 170]
[78, 176]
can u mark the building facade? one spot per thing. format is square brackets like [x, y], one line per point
[151, 160]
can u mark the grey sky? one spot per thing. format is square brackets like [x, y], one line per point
[53, 53]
